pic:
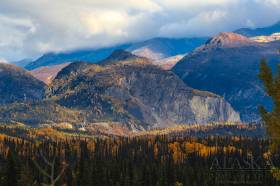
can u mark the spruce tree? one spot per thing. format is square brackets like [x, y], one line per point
[272, 87]
[272, 119]
[11, 170]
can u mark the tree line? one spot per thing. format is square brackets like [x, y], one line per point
[154, 161]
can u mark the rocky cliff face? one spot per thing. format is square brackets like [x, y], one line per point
[213, 109]
[137, 93]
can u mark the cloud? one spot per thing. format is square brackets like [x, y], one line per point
[30, 27]
[200, 25]
[2, 60]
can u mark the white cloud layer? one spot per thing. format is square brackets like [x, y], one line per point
[32, 27]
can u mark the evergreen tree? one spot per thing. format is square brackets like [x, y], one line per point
[11, 170]
[26, 177]
[272, 119]
[272, 87]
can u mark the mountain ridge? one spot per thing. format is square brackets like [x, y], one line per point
[268, 30]
[165, 47]
[120, 55]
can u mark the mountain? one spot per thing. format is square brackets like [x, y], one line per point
[259, 31]
[229, 68]
[21, 63]
[18, 85]
[156, 48]
[137, 93]
[123, 55]
[120, 55]
[123, 89]
[159, 48]
[90, 55]
[226, 40]
[47, 73]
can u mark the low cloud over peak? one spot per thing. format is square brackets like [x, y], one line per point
[31, 27]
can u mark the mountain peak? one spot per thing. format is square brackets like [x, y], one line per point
[225, 39]
[119, 56]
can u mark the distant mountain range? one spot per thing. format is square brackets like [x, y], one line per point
[228, 65]
[266, 31]
[21, 63]
[155, 49]
[90, 55]
[159, 48]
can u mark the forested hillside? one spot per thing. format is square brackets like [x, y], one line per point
[38, 159]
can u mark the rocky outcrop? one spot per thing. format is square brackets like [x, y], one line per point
[213, 109]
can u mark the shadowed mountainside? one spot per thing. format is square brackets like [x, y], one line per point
[230, 68]
[17, 85]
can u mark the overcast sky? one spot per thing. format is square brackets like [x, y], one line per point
[29, 28]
